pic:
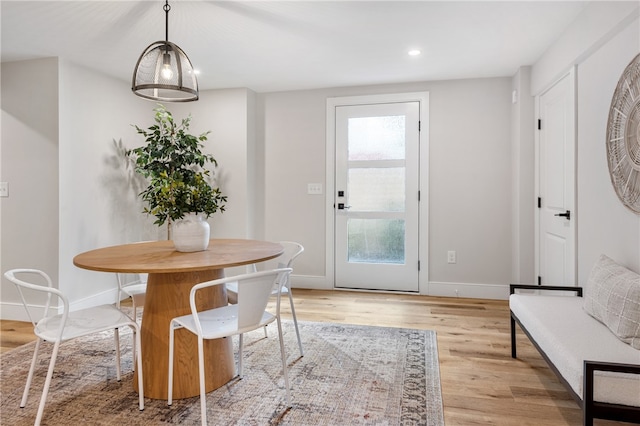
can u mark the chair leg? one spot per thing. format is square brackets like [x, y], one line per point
[135, 319]
[284, 363]
[25, 394]
[137, 342]
[116, 336]
[240, 350]
[295, 322]
[513, 337]
[203, 392]
[170, 376]
[118, 301]
[47, 383]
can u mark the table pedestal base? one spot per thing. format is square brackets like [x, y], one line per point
[167, 297]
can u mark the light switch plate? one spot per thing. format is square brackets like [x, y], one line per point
[4, 189]
[314, 188]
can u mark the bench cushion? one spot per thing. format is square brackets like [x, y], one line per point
[568, 336]
[612, 296]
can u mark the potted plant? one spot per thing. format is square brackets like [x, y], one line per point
[179, 190]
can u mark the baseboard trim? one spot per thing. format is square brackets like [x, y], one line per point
[443, 289]
[15, 310]
[311, 282]
[470, 290]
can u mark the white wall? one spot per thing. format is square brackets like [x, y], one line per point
[605, 225]
[225, 113]
[293, 135]
[98, 207]
[470, 193]
[600, 43]
[523, 202]
[598, 22]
[469, 175]
[29, 157]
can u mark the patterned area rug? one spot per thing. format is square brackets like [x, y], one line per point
[350, 375]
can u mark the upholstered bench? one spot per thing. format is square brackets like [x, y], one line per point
[597, 359]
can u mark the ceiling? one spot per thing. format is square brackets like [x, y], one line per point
[291, 45]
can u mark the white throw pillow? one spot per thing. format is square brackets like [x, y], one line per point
[613, 298]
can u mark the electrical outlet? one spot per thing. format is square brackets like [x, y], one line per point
[451, 256]
[314, 188]
[4, 189]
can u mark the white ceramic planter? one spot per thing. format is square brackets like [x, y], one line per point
[191, 233]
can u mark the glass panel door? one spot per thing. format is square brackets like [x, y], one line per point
[377, 196]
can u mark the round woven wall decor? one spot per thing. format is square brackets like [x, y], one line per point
[623, 137]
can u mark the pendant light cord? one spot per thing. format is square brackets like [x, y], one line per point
[166, 8]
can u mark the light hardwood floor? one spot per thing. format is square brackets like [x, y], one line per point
[481, 383]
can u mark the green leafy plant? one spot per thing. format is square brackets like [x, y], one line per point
[174, 164]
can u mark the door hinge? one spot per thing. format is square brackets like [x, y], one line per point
[539, 124]
[418, 265]
[418, 195]
[539, 202]
[539, 280]
[419, 125]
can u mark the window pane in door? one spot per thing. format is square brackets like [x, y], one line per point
[375, 240]
[376, 138]
[377, 189]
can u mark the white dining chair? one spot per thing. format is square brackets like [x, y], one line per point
[291, 251]
[254, 291]
[132, 286]
[56, 328]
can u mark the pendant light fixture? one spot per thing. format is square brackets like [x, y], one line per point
[164, 72]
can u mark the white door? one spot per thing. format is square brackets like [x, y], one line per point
[376, 199]
[556, 185]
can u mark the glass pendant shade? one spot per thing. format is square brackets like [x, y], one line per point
[164, 73]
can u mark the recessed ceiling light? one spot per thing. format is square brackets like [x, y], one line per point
[414, 52]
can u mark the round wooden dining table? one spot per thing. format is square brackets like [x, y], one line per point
[171, 276]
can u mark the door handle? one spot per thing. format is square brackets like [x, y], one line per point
[341, 206]
[567, 214]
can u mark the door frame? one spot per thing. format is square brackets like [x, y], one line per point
[423, 180]
[571, 75]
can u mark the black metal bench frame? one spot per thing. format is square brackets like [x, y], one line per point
[591, 409]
